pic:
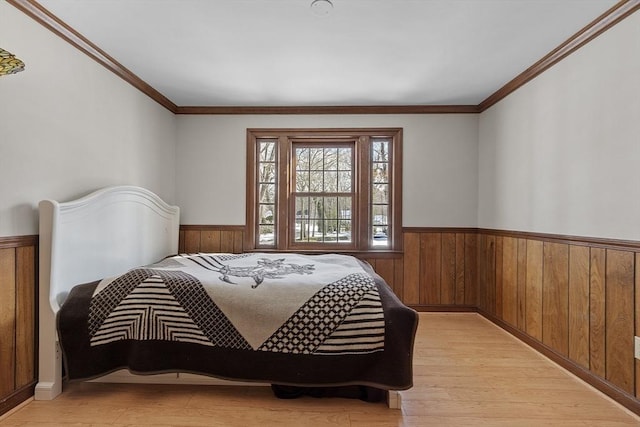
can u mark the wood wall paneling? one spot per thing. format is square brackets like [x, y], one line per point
[460, 269]
[430, 266]
[25, 316]
[579, 257]
[411, 273]
[510, 280]
[597, 347]
[555, 297]
[471, 269]
[637, 319]
[18, 319]
[620, 319]
[533, 289]
[497, 311]
[448, 269]
[522, 284]
[7, 321]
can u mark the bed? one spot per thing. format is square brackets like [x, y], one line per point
[124, 299]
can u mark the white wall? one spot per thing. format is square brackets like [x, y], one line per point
[439, 165]
[69, 126]
[562, 153]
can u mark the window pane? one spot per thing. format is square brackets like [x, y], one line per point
[380, 172]
[380, 193]
[330, 158]
[330, 233]
[344, 182]
[316, 159]
[331, 182]
[302, 181]
[345, 156]
[344, 231]
[267, 214]
[330, 208]
[267, 237]
[267, 172]
[344, 207]
[380, 151]
[267, 193]
[380, 236]
[268, 151]
[315, 182]
[380, 215]
[302, 158]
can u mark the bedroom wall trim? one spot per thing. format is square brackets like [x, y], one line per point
[598, 26]
[18, 241]
[36, 11]
[347, 109]
[608, 19]
[18, 319]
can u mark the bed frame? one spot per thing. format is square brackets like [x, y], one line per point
[99, 235]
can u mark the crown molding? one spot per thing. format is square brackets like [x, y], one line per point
[598, 26]
[347, 109]
[36, 11]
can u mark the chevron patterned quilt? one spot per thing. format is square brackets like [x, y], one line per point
[280, 318]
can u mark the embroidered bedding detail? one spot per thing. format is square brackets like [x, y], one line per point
[281, 303]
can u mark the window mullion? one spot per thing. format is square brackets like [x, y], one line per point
[284, 185]
[363, 198]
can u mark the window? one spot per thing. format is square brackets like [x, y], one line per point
[324, 190]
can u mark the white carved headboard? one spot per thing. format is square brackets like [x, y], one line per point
[100, 235]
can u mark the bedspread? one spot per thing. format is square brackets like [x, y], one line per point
[281, 318]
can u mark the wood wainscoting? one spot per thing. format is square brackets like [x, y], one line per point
[18, 311]
[573, 299]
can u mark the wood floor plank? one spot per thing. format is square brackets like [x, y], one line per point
[467, 371]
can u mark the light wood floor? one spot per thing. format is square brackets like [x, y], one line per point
[467, 371]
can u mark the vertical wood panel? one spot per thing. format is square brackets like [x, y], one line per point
[620, 319]
[460, 269]
[498, 273]
[482, 272]
[398, 280]
[522, 284]
[491, 274]
[181, 244]
[637, 323]
[597, 355]
[384, 267]
[430, 259]
[192, 241]
[210, 241]
[534, 289]
[25, 315]
[579, 305]
[510, 280]
[226, 241]
[238, 242]
[471, 269]
[7, 320]
[555, 297]
[448, 269]
[411, 273]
